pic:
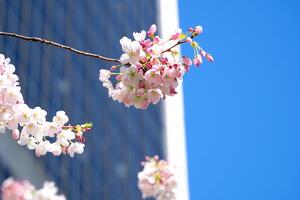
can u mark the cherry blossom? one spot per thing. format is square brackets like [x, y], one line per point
[29, 125]
[75, 147]
[151, 68]
[157, 179]
[23, 190]
[198, 30]
[132, 51]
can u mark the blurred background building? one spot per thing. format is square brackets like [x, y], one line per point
[59, 80]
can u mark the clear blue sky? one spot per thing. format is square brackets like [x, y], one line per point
[243, 111]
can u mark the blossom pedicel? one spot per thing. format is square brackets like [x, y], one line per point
[157, 179]
[23, 190]
[35, 130]
[150, 68]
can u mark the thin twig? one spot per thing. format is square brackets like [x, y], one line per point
[178, 43]
[48, 42]
[168, 49]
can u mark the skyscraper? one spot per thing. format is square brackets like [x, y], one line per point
[60, 80]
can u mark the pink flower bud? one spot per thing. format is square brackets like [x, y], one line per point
[156, 39]
[176, 35]
[118, 78]
[186, 61]
[15, 134]
[113, 68]
[144, 59]
[198, 30]
[164, 60]
[172, 91]
[152, 30]
[209, 57]
[203, 53]
[197, 60]
[191, 30]
[148, 65]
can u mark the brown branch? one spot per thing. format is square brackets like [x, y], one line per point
[178, 43]
[168, 49]
[48, 42]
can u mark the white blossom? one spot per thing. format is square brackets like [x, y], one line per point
[104, 75]
[64, 137]
[23, 190]
[35, 130]
[76, 147]
[132, 51]
[61, 118]
[157, 179]
[139, 36]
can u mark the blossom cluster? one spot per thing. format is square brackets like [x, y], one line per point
[151, 67]
[23, 190]
[158, 179]
[29, 125]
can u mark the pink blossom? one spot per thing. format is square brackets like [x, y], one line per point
[209, 57]
[155, 50]
[131, 76]
[197, 60]
[176, 35]
[198, 30]
[15, 134]
[24, 190]
[157, 179]
[153, 78]
[16, 190]
[187, 61]
[157, 40]
[152, 30]
[151, 68]
[154, 96]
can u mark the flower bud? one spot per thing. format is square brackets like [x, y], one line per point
[198, 30]
[113, 68]
[152, 30]
[209, 57]
[197, 60]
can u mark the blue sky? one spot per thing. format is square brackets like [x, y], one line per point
[243, 111]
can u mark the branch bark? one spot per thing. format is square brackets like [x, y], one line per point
[55, 44]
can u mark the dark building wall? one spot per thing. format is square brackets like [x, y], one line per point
[56, 79]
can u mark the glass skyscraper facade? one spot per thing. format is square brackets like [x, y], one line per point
[56, 79]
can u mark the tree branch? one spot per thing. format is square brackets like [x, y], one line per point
[178, 43]
[168, 49]
[48, 42]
